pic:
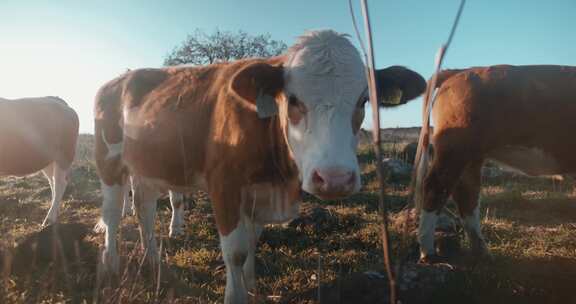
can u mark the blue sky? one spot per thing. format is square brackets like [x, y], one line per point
[70, 48]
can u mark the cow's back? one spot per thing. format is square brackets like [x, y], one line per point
[35, 132]
[528, 106]
[161, 118]
[172, 123]
[176, 124]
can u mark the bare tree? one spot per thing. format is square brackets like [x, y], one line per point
[200, 48]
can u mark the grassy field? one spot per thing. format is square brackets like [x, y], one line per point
[529, 223]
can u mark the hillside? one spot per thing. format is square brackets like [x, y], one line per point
[391, 135]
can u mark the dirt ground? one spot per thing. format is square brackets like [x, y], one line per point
[333, 254]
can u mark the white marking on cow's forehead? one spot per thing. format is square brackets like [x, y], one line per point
[323, 67]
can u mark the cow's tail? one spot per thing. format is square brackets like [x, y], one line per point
[108, 145]
[111, 168]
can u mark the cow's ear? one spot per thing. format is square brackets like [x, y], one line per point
[260, 83]
[397, 85]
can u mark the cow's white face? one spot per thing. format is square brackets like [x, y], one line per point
[324, 85]
[319, 91]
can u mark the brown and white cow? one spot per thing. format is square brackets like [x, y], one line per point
[520, 116]
[38, 134]
[252, 133]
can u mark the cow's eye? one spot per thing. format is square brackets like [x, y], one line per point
[362, 99]
[357, 119]
[296, 109]
[293, 101]
[362, 102]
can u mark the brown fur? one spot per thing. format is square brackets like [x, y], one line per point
[35, 132]
[483, 109]
[196, 121]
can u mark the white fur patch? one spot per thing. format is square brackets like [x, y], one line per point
[145, 202]
[472, 226]
[234, 246]
[111, 215]
[426, 230]
[177, 221]
[58, 185]
[254, 230]
[238, 251]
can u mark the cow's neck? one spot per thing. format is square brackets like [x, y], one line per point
[281, 165]
[273, 195]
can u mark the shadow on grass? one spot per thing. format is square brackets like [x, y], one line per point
[506, 279]
[532, 212]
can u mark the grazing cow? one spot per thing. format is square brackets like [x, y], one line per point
[39, 134]
[520, 116]
[252, 133]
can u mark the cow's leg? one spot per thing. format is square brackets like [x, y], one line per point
[466, 195]
[128, 207]
[59, 183]
[113, 180]
[254, 231]
[233, 228]
[177, 221]
[111, 215]
[235, 248]
[446, 169]
[145, 203]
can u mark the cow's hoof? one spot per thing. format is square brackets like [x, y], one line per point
[432, 259]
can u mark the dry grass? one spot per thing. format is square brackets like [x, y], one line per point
[529, 224]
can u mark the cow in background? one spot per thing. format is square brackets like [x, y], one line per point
[519, 116]
[39, 134]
